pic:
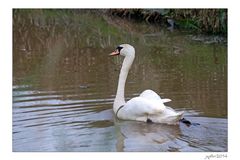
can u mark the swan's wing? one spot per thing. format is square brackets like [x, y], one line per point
[151, 95]
[142, 109]
[140, 106]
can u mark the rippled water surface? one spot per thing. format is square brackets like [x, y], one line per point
[64, 85]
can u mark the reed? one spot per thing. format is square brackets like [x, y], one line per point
[211, 21]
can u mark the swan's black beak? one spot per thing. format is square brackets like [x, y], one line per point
[114, 53]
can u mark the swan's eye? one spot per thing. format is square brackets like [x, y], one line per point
[119, 48]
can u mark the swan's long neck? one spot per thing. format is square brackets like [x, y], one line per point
[120, 100]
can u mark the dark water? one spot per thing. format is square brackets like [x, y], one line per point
[64, 84]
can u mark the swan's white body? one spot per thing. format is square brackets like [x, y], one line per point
[148, 106]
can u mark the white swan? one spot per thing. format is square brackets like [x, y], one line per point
[148, 107]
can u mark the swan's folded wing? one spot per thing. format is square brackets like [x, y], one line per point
[150, 94]
[141, 106]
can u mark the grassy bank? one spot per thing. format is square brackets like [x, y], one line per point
[210, 21]
[207, 21]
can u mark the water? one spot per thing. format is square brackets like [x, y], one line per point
[64, 85]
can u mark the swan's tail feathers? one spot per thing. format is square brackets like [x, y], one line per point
[165, 100]
[180, 115]
[174, 119]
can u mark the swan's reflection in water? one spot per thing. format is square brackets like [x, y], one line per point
[147, 136]
[210, 135]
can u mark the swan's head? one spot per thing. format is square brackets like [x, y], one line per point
[124, 50]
